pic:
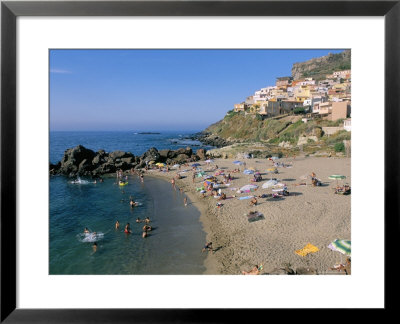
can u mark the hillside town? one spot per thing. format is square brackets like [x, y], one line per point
[328, 99]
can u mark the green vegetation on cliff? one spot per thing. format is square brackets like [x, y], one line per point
[318, 68]
[251, 128]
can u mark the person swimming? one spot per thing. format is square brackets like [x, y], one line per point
[147, 220]
[86, 231]
[146, 228]
[94, 247]
[138, 220]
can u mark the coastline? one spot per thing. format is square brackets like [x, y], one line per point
[309, 215]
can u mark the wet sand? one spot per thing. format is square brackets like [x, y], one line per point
[308, 215]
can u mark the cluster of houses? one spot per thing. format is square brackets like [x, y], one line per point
[327, 99]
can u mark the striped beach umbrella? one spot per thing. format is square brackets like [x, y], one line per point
[337, 177]
[342, 246]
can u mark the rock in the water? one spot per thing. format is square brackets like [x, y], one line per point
[151, 154]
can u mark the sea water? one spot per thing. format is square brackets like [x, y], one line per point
[172, 247]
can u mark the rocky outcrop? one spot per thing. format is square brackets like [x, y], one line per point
[213, 140]
[85, 162]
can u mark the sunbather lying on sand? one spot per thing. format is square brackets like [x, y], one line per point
[254, 271]
[222, 197]
[253, 201]
[344, 189]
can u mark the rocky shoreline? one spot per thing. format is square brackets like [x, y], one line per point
[81, 161]
[211, 140]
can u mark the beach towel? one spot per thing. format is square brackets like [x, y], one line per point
[247, 197]
[309, 248]
[254, 216]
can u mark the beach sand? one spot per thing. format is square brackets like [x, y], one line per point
[308, 215]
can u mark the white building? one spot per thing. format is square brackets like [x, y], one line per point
[347, 124]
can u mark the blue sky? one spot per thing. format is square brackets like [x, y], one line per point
[149, 90]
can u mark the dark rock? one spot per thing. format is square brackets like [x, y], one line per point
[120, 154]
[151, 154]
[100, 157]
[76, 155]
[165, 154]
[85, 166]
[128, 160]
[212, 140]
[181, 158]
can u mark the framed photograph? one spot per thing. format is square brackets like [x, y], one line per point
[155, 153]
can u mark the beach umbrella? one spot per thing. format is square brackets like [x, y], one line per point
[151, 162]
[238, 162]
[251, 168]
[248, 188]
[176, 165]
[342, 246]
[196, 164]
[269, 184]
[209, 161]
[248, 171]
[209, 182]
[337, 177]
[274, 158]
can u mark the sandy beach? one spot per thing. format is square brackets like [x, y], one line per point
[309, 214]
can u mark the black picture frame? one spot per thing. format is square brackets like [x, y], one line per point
[10, 10]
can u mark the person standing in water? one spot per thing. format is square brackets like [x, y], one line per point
[94, 247]
[127, 229]
[185, 201]
[117, 225]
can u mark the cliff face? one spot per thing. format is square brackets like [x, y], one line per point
[317, 68]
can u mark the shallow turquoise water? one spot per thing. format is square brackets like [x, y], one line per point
[173, 247]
